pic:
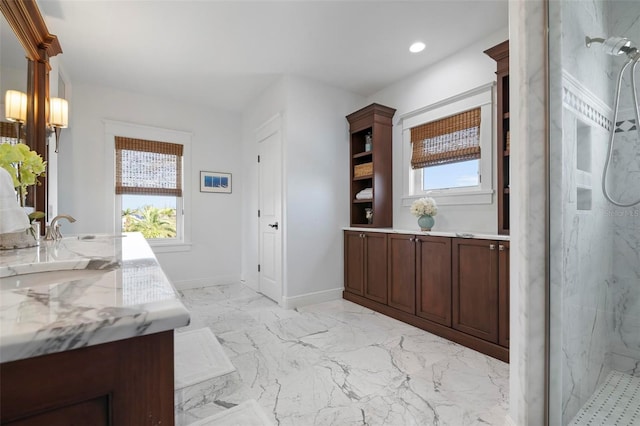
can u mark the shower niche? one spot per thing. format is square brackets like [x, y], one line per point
[583, 166]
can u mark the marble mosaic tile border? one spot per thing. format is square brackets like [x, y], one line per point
[626, 125]
[584, 103]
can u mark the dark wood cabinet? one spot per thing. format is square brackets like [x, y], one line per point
[503, 293]
[420, 276]
[126, 382]
[371, 165]
[402, 272]
[481, 289]
[475, 288]
[366, 264]
[457, 288]
[500, 53]
[354, 262]
[433, 279]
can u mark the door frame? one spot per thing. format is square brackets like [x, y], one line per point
[270, 127]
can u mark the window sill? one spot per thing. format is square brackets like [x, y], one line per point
[451, 198]
[160, 247]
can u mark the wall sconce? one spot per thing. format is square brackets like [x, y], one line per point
[58, 117]
[15, 106]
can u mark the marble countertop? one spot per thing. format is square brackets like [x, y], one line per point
[480, 236]
[81, 291]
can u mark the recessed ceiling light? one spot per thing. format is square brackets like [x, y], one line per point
[416, 47]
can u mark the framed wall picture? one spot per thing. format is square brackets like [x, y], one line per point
[215, 182]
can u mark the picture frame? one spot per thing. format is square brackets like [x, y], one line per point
[216, 182]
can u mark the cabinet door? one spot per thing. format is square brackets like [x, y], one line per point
[433, 279]
[375, 271]
[354, 262]
[503, 293]
[475, 288]
[402, 272]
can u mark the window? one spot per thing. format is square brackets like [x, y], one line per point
[447, 150]
[454, 175]
[149, 181]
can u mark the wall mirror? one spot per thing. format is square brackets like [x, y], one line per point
[13, 64]
[23, 24]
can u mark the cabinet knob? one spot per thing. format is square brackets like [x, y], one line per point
[501, 247]
[492, 246]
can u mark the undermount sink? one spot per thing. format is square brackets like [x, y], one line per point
[42, 274]
[49, 278]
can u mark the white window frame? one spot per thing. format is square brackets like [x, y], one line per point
[136, 131]
[412, 179]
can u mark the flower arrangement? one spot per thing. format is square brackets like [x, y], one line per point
[424, 206]
[24, 166]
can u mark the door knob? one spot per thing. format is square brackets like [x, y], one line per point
[273, 225]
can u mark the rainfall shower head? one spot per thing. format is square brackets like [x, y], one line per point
[614, 46]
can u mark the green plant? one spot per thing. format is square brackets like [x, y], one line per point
[24, 166]
[151, 221]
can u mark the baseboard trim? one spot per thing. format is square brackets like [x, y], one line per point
[206, 282]
[312, 298]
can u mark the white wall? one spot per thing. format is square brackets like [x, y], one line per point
[317, 186]
[463, 71]
[214, 256]
[270, 103]
[316, 190]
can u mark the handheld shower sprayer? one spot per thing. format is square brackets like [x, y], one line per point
[616, 46]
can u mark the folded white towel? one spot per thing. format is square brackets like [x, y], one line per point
[365, 194]
[13, 218]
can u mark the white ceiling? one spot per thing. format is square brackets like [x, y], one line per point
[225, 53]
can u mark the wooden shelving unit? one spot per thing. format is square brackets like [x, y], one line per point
[373, 120]
[500, 53]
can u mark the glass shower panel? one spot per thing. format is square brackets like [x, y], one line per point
[594, 294]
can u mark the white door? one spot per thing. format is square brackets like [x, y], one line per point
[270, 205]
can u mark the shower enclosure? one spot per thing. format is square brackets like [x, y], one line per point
[594, 189]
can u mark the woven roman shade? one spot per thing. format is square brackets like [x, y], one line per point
[449, 140]
[8, 132]
[146, 167]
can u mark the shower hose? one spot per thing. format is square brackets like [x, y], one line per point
[634, 60]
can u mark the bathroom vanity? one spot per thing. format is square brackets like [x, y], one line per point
[450, 284]
[86, 332]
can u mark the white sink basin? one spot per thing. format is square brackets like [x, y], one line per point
[49, 278]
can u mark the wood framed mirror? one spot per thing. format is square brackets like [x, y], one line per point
[27, 23]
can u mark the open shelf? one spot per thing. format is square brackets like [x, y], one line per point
[363, 177]
[373, 125]
[500, 53]
[363, 154]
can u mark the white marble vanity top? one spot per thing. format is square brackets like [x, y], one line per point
[82, 291]
[496, 237]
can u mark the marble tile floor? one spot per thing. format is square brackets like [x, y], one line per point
[337, 363]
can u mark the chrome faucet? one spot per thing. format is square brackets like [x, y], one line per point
[53, 230]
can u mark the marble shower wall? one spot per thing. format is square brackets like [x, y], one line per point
[625, 187]
[595, 246]
[581, 232]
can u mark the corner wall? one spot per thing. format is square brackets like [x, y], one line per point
[315, 186]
